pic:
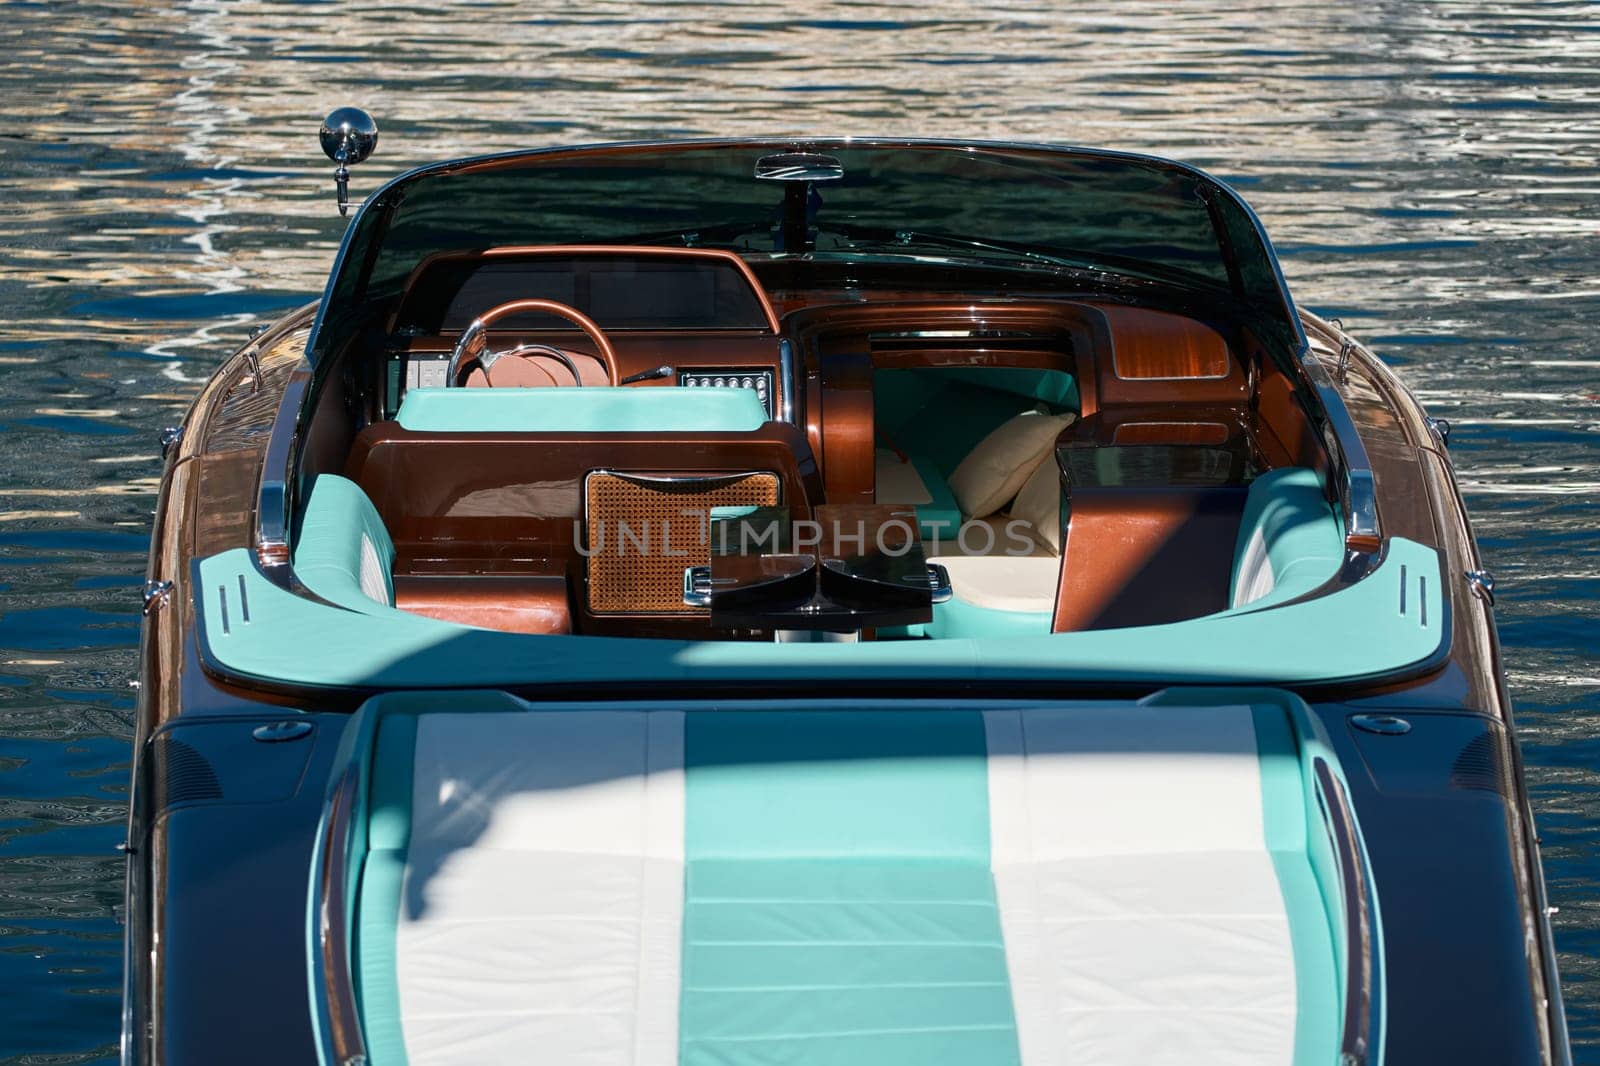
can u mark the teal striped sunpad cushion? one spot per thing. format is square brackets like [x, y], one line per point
[1084, 884]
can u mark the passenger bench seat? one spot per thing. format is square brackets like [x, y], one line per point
[344, 554]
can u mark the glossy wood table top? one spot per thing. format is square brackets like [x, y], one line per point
[853, 567]
[1158, 447]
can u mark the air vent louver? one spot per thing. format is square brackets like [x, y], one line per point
[186, 775]
[1478, 765]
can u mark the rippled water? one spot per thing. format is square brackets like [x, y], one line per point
[1428, 170]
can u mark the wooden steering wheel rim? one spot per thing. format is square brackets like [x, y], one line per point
[474, 339]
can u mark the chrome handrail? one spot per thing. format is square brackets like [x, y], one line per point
[337, 1014]
[274, 496]
[1361, 1003]
[1352, 473]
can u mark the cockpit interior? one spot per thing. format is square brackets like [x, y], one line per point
[658, 441]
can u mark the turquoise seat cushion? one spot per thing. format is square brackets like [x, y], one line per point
[581, 410]
[877, 885]
[342, 552]
[838, 904]
[941, 517]
[382, 883]
[1290, 540]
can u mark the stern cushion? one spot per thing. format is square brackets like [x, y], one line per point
[342, 552]
[1290, 540]
[1105, 882]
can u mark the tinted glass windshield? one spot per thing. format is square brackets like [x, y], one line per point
[1024, 207]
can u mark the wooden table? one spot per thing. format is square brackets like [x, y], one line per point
[854, 567]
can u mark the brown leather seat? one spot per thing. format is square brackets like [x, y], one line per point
[513, 603]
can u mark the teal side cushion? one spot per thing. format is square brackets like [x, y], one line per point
[1056, 389]
[588, 409]
[1302, 539]
[940, 518]
[1310, 882]
[382, 881]
[342, 552]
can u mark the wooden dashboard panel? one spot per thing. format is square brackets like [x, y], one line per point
[1155, 345]
[1160, 357]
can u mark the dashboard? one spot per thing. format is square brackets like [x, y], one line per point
[684, 317]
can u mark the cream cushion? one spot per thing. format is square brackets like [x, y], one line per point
[990, 475]
[898, 481]
[996, 535]
[1039, 504]
[1004, 582]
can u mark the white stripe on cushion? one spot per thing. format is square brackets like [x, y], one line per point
[1142, 914]
[543, 895]
[1255, 578]
[373, 580]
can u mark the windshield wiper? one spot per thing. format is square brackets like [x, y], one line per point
[1100, 267]
[909, 237]
[726, 233]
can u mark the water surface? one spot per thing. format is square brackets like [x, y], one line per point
[1427, 169]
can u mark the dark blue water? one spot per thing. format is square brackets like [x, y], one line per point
[1430, 171]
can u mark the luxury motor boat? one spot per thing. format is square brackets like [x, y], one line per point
[832, 602]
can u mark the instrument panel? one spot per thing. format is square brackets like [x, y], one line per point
[759, 378]
[411, 370]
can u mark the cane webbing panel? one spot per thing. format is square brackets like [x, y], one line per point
[640, 538]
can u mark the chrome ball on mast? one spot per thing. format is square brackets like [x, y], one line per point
[348, 136]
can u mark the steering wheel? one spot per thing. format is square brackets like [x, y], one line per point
[474, 343]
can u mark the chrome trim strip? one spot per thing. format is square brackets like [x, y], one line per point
[697, 586]
[786, 372]
[709, 477]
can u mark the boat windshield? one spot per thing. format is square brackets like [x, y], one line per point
[1022, 207]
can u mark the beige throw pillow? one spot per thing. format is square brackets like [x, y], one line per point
[990, 475]
[1039, 504]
